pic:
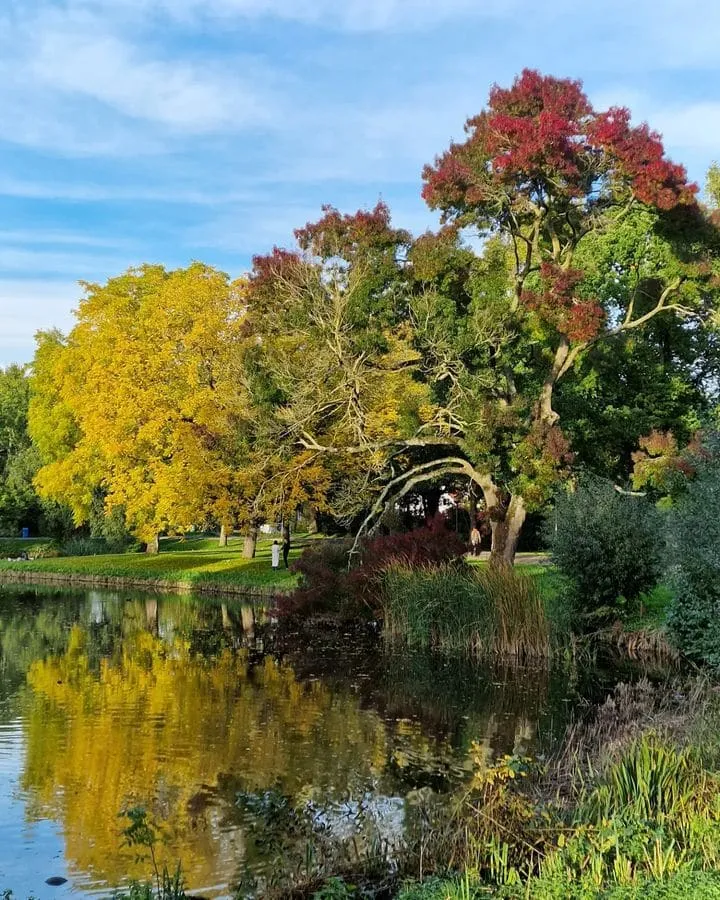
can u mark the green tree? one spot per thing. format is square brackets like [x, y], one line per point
[20, 505]
[415, 361]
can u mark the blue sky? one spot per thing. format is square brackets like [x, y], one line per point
[172, 130]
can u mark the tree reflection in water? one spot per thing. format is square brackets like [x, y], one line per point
[184, 705]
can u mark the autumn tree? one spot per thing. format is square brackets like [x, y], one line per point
[415, 361]
[562, 185]
[142, 401]
[334, 372]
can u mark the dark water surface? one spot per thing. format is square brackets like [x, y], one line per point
[198, 711]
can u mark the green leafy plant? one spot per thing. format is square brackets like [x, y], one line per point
[141, 833]
[694, 556]
[610, 546]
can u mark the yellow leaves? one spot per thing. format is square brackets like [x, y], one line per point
[158, 721]
[145, 395]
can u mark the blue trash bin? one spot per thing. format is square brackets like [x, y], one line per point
[26, 532]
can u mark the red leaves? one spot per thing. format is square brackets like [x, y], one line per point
[584, 321]
[558, 305]
[336, 234]
[638, 154]
[542, 137]
[271, 265]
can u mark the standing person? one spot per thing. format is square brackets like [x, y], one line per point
[475, 539]
[275, 555]
[286, 546]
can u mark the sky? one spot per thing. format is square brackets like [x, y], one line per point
[170, 130]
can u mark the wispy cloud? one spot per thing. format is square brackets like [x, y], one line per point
[92, 193]
[166, 92]
[173, 129]
[57, 262]
[353, 15]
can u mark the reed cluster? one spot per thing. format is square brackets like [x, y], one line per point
[490, 612]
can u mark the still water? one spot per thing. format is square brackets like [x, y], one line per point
[201, 713]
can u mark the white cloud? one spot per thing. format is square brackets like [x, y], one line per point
[84, 84]
[58, 262]
[352, 15]
[89, 192]
[58, 238]
[166, 92]
[696, 126]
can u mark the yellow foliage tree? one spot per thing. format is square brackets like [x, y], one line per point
[144, 399]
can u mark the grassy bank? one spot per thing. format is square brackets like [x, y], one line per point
[198, 565]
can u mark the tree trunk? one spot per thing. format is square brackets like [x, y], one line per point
[152, 616]
[431, 502]
[506, 528]
[250, 544]
[153, 545]
[313, 520]
[223, 536]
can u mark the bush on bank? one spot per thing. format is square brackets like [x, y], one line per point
[334, 583]
[694, 557]
[611, 546]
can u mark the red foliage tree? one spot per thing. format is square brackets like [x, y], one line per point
[540, 151]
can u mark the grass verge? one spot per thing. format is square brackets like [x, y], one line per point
[194, 565]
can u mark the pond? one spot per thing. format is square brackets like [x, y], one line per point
[200, 712]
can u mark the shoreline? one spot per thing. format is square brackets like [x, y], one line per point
[75, 579]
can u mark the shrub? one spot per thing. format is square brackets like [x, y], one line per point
[327, 585]
[35, 547]
[432, 545]
[481, 612]
[610, 545]
[694, 556]
[324, 587]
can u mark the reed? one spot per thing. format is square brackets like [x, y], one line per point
[479, 612]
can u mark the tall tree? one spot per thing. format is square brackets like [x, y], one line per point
[416, 361]
[146, 398]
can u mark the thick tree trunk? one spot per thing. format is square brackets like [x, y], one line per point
[250, 544]
[223, 536]
[431, 501]
[153, 545]
[506, 526]
[313, 520]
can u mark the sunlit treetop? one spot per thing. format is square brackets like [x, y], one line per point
[540, 146]
[366, 232]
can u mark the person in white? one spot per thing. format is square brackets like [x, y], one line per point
[275, 555]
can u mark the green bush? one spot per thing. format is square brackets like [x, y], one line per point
[610, 546]
[694, 556]
[34, 547]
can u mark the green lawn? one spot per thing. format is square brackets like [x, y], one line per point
[195, 562]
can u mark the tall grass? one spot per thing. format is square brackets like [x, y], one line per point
[480, 612]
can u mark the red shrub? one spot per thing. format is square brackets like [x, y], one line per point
[327, 586]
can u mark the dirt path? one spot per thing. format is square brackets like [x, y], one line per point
[522, 559]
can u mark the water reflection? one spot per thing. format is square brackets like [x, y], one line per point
[109, 701]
